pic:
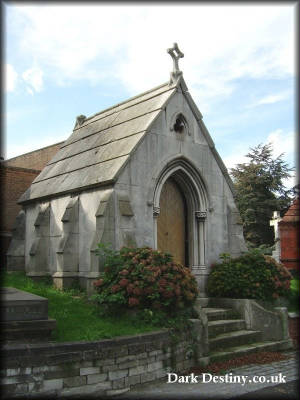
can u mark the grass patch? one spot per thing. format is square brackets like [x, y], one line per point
[77, 318]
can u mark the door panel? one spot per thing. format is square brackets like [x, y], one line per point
[171, 222]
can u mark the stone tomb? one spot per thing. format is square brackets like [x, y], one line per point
[24, 316]
[144, 172]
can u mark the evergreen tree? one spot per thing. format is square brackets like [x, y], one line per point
[260, 191]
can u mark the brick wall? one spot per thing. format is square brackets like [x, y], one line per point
[289, 241]
[16, 175]
[35, 159]
[294, 328]
[105, 367]
[14, 182]
[289, 237]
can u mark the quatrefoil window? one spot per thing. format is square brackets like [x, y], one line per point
[179, 124]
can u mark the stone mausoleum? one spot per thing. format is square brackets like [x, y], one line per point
[142, 173]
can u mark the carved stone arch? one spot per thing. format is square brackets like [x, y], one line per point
[166, 167]
[196, 196]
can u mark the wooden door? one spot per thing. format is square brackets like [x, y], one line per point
[171, 222]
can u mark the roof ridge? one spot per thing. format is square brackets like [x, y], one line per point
[128, 100]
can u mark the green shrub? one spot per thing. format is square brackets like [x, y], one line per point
[252, 276]
[265, 249]
[293, 296]
[144, 279]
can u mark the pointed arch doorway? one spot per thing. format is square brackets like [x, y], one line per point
[172, 229]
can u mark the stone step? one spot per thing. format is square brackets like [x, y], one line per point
[239, 351]
[222, 326]
[236, 338]
[214, 314]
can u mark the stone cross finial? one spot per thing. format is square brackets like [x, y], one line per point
[175, 53]
[274, 222]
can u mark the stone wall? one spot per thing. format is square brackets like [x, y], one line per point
[105, 367]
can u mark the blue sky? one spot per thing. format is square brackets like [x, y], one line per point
[67, 59]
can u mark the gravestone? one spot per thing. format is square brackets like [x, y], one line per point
[24, 316]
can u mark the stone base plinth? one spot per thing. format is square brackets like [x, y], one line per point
[15, 263]
[86, 281]
[24, 317]
[65, 280]
[27, 331]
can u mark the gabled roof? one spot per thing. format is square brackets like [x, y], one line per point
[293, 213]
[98, 149]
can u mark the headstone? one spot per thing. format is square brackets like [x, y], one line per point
[24, 316]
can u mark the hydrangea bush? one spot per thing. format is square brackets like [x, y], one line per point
[143, 278]
[252, 276]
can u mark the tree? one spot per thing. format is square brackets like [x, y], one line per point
[260, 191]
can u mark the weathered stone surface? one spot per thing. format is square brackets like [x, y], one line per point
[120, 373]
[96, 378]
[148, 376]
[17, 305]
[18, 371]
[108, 368]
[115, 392]
[98, 389]
[89, 370]
[53, 384]
[63, 358]
[271, 323]
[105, 362]
[75, 381]
[138, 370]
[154, 366]
[132, 149]
[125, 358]
[128, 364]
[134, 380]
[67, 161]
[118, 383]
[61, 373]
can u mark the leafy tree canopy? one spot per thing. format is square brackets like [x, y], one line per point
[260, 191]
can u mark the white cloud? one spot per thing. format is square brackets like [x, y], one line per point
[235, 158]
[129, 43]
[282, 142]
[285, 143]
[270, 99]
[34, 79]
[222, 44]
[11, 78]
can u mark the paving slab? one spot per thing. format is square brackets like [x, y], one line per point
[285, 377]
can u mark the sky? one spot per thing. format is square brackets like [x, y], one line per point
[66, 59]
